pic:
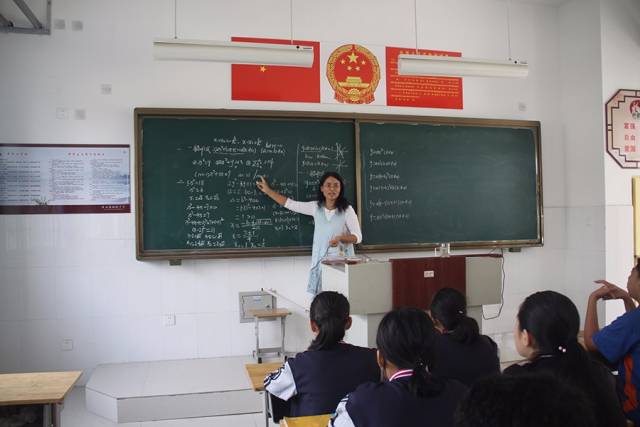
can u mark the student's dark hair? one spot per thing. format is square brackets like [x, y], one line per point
[553, 321]
[637, 267]
[330, 311]
[405, 338]
[449, 307]
[341, 203]
[530, 400]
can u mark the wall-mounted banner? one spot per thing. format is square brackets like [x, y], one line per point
[345, 74]
[276, 83]
[623, 128]
[418, 91]
[65, 178]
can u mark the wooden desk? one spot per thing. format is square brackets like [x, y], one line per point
[44, 388]
[312, 421]
[256, 373]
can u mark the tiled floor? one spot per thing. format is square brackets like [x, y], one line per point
[75, 414]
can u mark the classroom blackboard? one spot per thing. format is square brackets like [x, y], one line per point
[415, 182]
[196, 173]
[468, 183]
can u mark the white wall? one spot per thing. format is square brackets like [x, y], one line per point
[620, 70]
[581, 113]
[75, 276]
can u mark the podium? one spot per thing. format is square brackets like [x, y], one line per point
[368, 288]
[371, 290]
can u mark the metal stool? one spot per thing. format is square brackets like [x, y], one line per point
[259, 315]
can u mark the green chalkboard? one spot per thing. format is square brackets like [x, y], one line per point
[469, 183]
[415, 182]
[196, 172]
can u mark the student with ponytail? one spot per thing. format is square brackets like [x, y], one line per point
[546, 333]
[460, 352]
[409, 395]
[315, 380]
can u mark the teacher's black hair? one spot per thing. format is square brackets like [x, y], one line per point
[341, 203]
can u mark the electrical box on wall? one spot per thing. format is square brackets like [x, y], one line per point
[253, 301]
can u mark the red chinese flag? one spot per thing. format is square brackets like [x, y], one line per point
[276, 83]
[421, 91]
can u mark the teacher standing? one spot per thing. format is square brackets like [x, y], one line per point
[336, 223]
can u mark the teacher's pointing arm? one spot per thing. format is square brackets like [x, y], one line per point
[263, 186]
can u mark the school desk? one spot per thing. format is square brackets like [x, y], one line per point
[38, 388]
[311, 421]
[260, 315]
[257, 372]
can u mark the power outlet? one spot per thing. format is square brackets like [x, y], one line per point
[105, 89]
[66, 344]
[62, 113]
[169, 320]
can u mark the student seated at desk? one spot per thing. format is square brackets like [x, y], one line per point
[546, 334]
[460, 352]
[619, 342]
[529, 400]
[316, 380]
[410, 395]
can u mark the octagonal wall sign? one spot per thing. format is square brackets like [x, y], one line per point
[622, 114]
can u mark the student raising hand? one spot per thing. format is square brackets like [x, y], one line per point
[611, 291]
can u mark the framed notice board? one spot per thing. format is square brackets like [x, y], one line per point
[415, 182]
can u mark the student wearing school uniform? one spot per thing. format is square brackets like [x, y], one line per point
[546, 334]
[460, 352]
[409, 395]
[336, 225]
[315, 380]
[619, 342]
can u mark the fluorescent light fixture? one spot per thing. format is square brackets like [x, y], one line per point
[429, 65]
[233, 52]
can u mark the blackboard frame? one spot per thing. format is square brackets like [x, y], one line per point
[356, 118]
[141, 113]
[534, 126]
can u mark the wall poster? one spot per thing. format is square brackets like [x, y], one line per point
[64, 178]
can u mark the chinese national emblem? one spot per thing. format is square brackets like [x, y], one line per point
[354, 73]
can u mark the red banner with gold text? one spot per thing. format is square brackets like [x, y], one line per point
[418, 91]
[276, 83]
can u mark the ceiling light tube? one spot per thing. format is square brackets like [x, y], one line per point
[233, 52]
[429, 65]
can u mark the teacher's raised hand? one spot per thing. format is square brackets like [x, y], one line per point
[263, 186]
